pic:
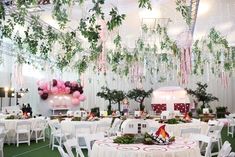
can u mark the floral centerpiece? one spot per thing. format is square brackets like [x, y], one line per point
[161, 137]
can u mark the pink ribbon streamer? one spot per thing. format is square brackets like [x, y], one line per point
[185, 42]
[17, 75]
[224, 79]
[185, 64]
[102, 58]
[137, 71]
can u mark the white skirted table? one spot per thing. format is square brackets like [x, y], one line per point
[174, 129]
[180, 148]
[69, 126]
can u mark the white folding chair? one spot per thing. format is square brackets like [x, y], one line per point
[203, 139]
[196, 120]
[225, 150]
[62, 152]
[115, 127]
[73, 143]
[231, 125]
[213, 122]
[39, 129]
[92, 138]
[4, 130]
[81, 132]
[215, 133]
[57, 135]
[23, 128]
[188, 131]
[69, 113]
[102, 127]
[2, 139]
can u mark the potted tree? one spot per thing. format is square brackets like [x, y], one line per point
[106, 94]
[139, 95]
[221, 111]
[202, 96]
[117, 97]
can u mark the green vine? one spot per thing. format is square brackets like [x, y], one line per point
[116, 20]
[184, 10]
[145, 4]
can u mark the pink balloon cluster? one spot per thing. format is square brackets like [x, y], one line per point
[60, 87]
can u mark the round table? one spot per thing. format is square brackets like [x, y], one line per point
[180, 148]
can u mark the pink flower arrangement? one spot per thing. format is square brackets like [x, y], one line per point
[60, 87]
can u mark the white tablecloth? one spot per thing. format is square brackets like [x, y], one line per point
[174, 129]
[69, 126]
[180, 148]
[11, 127]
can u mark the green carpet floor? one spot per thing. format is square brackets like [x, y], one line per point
[42, 149]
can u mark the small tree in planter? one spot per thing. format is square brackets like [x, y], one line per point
[106, 94]
[201, 95]
[139, 95]
[118, 96]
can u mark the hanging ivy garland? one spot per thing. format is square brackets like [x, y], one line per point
[38, 40]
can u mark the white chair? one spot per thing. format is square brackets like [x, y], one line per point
[69, 113]
[73, 143]
[196, 120]
[231, 125]
[115, 127]
[23, 128]
[57, 135]
[92, 138]
[232, 154]
[189, 131]
[213, 122]
[225, 150]
[102, 127]
[62, 152]
[165, 115]
[203, 139]
[215, 133]
[2, 139]
[39, 129]
[4, 130]
[81, 132]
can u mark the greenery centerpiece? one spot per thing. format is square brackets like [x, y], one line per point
[139, 96]
[202, 96]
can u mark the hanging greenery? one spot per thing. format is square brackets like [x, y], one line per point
[212, 50]
[116, 20]
[184, 10]
[145, 4]
[146, 58]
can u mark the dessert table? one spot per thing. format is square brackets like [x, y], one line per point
[180, 148]
[174, 129]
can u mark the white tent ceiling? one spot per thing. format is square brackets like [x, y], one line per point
[212, 13]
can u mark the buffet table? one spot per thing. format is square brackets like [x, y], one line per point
[174, 129]
[180, 148]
